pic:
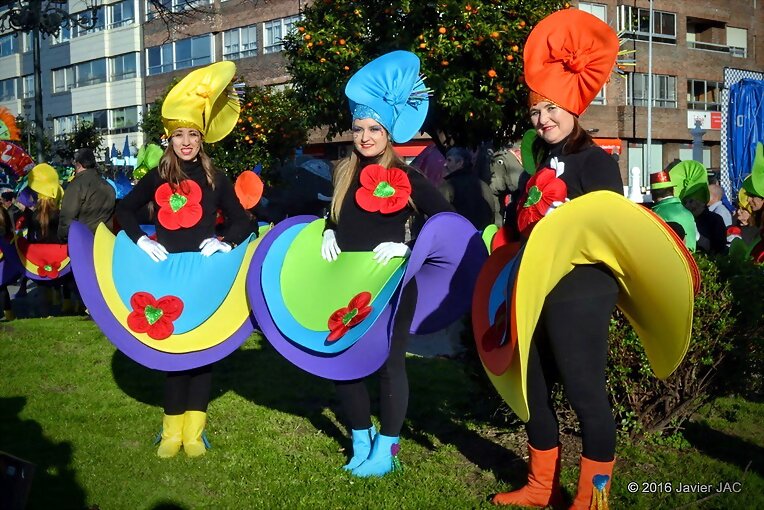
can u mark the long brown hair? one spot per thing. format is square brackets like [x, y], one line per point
[170, 168]
[44, 209]
[577, 140]
[346, 170]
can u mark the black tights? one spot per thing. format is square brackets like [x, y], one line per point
[187, 390]
[393, 380]
[570, 345]
[5, 298]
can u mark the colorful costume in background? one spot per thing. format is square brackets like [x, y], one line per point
[44, 257]
[184, 313]
[750, 242]
[361, 322]
[670, 209]
[542, 309]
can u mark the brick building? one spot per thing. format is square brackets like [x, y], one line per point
[693, 42]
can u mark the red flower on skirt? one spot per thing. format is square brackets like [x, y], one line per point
[383, 190]
[542, 189]
[180, 207]
[345, 318]
[49, 270]
[154, 316]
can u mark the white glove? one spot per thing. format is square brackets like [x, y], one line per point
[330, 250]
[153, 249]
[555, 205]
[386, 251]
[212, 245]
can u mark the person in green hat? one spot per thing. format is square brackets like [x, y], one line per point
[691, 186]
[670, 208]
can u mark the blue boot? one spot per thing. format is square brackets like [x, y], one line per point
[382, 459]
[362, 440]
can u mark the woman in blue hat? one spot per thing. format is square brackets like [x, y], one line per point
[372, 173]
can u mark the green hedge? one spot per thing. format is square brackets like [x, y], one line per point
[726, 355]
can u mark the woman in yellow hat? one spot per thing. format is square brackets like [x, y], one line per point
[186, 191]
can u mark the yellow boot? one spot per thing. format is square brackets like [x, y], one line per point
[9, 315]
[194, 440]
[171, 437]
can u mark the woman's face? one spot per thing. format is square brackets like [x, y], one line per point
[756, 203]
[369, 137]
[186, 143]
[743, 216]
[551, 122]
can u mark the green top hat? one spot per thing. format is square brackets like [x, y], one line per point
[691, 180]
[754, 183]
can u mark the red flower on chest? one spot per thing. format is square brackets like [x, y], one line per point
[542, 189]
[385, 190]
[179, 207]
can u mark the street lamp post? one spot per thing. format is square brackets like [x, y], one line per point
[44, 18]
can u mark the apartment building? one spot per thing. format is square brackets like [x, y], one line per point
[692, 44]
[86, 74]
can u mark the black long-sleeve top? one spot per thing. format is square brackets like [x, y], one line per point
[360, 230]
[222, 197]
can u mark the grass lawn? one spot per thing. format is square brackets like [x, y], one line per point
[86, 416]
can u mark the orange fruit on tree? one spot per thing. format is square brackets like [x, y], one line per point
[515, 48]
[306, 37]
[422, 45]
[491, 73]
[495, 35]
[510, 58]
[444, 63]
[442, 30]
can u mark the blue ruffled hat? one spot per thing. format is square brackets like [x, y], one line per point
[390, 90]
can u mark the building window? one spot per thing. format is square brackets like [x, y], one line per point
[159, 59]
[664, 90]
[26, 42]
[152, 11]
[275, 30]
[598, 10]
[64, 34]
[86, 18]
[124, 120]
[124, 66]
[90, 73]
[8, 89]
[99, 119]
[64, 125]
[704, 95]
[737, 40]
[63, 79]
[121, 14]
[600, 97]
[240, 43]
[635, 24]
[181, 54]
[27, 86]
[8, 45]
[195, 51]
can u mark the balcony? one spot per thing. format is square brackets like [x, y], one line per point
[718, 48]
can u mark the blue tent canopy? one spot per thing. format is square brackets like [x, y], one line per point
[745, 123]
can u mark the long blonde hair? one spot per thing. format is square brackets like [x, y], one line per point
[346, 171]
[170, 169]
[44, 209]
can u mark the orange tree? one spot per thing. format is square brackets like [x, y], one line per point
[471, 54]
[268, 131]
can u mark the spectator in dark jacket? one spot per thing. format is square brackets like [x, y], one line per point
[89, 199]
[469, 196]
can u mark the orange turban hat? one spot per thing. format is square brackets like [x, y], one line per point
[568, 57]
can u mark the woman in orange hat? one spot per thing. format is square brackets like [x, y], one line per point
[567, 59]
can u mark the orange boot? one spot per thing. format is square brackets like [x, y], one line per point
[543, 487]
[593, 485]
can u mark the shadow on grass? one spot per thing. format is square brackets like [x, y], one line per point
[54, 483]
[725, 447]
[442, 400]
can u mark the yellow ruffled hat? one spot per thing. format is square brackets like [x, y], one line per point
[43, 179]
[203, 100]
